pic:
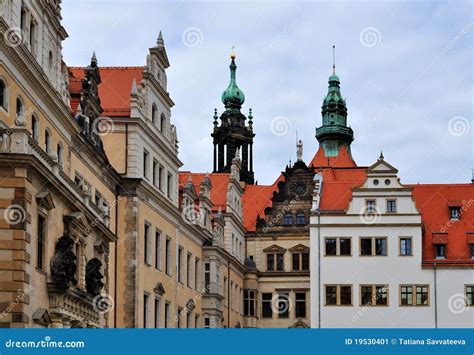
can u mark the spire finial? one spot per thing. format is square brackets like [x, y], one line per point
[232, 53]
[160, 42]
[333, 59]
[381, 156]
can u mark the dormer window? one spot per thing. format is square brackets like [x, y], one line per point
[370, 205]
[440, 251]
[288, 219]
[391, 206]
[300, 219]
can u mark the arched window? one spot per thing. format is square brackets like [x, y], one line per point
[34, 127]
[47, 141]
[50, 60]
[153, 114]
[3, 94]
[300, 218]
[288, 219]
[162, 123]
[60, 155]
[19, 107]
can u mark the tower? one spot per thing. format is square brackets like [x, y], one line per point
[334, 133]
[232, 133]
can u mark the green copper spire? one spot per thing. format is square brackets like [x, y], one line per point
[334, 132]
[233, 97]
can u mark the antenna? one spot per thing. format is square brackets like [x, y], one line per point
[333, 59]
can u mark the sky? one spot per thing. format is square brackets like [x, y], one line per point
[406, 72]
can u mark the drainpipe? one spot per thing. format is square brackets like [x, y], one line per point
[228, 294]
[116, 250]
[435, 297]
[319, 268]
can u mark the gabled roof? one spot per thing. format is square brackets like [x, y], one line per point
[433, 203]
[114, 91]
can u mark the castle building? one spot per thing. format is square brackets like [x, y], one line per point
[100, 227]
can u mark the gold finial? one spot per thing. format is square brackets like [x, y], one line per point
[232, 54]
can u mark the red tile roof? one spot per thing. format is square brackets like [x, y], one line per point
[343, 160]
[433, 202]
[114, 91]
[219, 182]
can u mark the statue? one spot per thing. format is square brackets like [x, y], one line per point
[5, 141]
[94, 282]
[299, 150]
[63, 263]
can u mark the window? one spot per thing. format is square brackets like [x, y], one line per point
[226, 292]
[188, 269]
[160, 177]
[440, 251]
[50, 60]
[158, 250]
[155, 172]
[287, 219]
[180, 264]
[41, 247]
[266, 305]
[162, 123]
[97, 198]
[189, 320]
[300, 219]
[218, 278]
[3, 94]
[300, 304]
[179, 314]
[338, 246]
[157, 312]
[145, 164]
[338, 295]
[168, 256]
[370, 206]
[375, 246]
[34, 127]
[23, 19]
[471, 248]
[207, 275]
[374, 295]
[283, 305]
[146, 243]
[196, 321]
[469, 295]
[405, 246]
[145, 310]
[455, 213]
[153, 114]
[391, 206]
[32, 38]
[414, 295]
[169, 185]
[47, 141]
[196, 275]
[207, 321]
[19, 107]
[59, 152]
[300, 261]
[249, 303]
[167, 314]
[271, 265]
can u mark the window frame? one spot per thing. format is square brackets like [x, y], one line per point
[146, 243]
[266, 305]
[338, 295]
[400, 246]
[300, 301]
[414, 295]
[4, 94]
[370, 209]
[469, 301]
[43, 245]
[387, 202]
[373, 246]
[338, 246]
[373, 301]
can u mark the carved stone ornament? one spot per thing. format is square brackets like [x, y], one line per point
[94, 277]
[63, 263]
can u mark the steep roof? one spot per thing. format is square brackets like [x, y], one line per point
[219, 182]
[433, 202]
[114, 90]
[342, 160]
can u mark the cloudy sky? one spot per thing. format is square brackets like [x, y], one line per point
[406, 71]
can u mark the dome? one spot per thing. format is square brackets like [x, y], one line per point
[233, 97]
